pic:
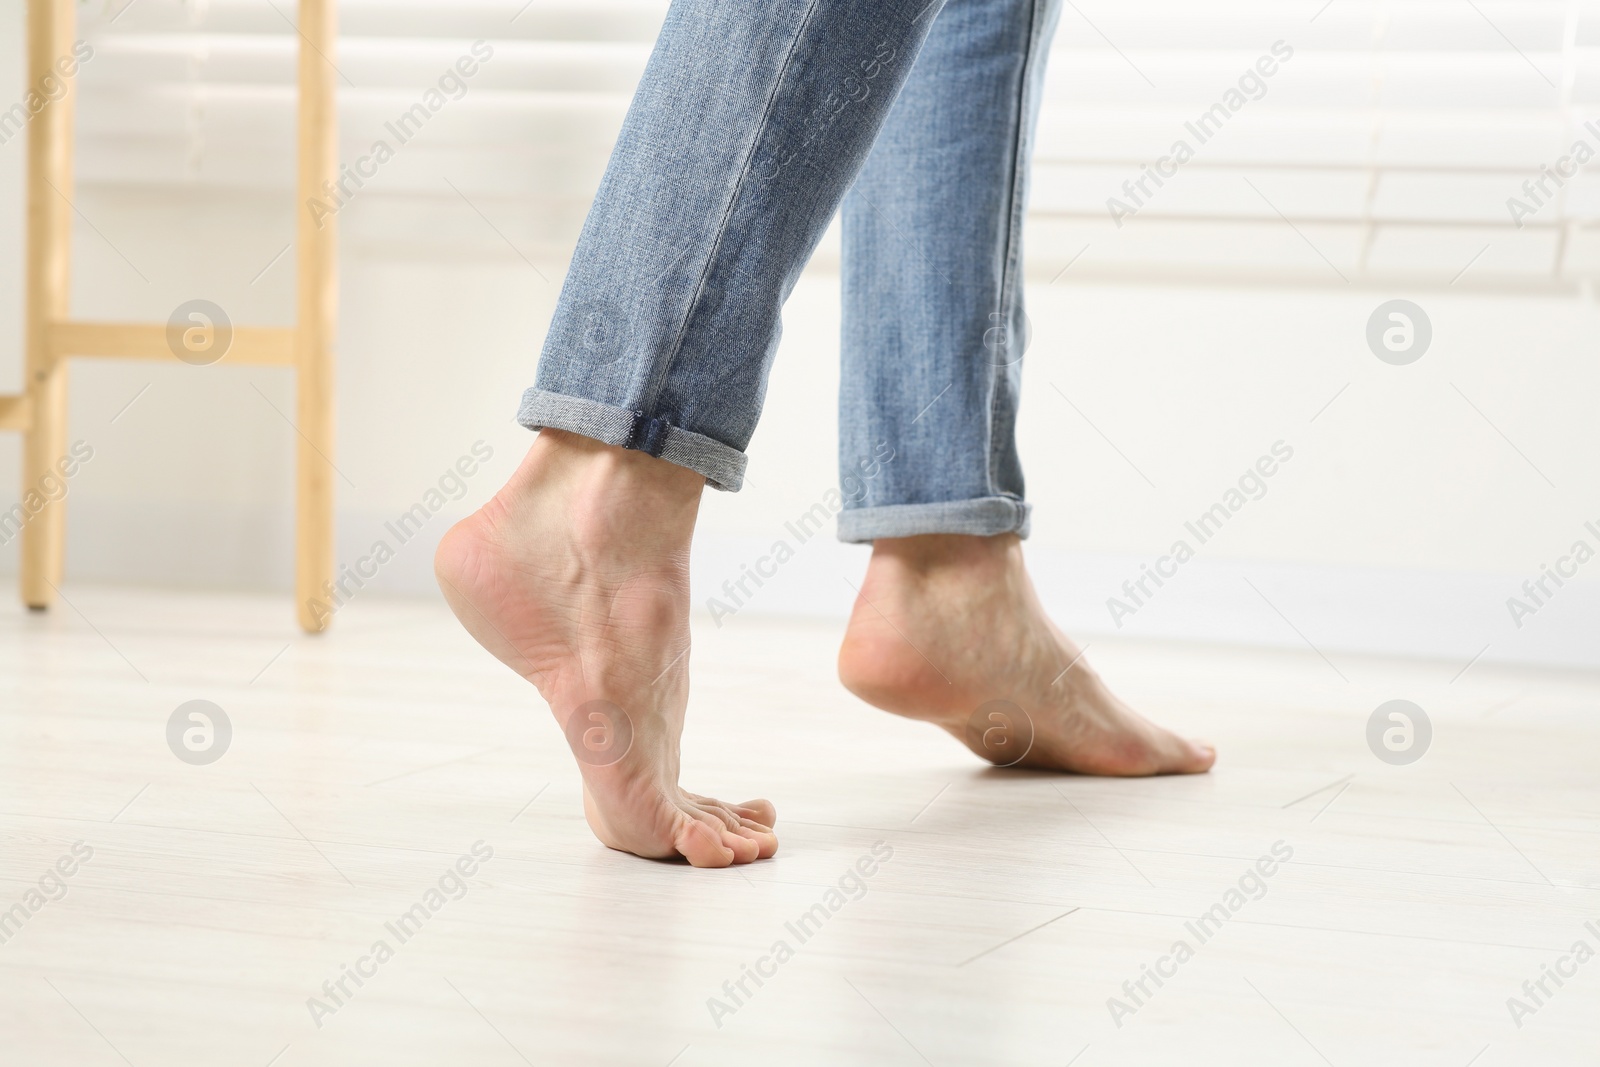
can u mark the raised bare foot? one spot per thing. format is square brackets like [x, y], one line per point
[576, 575]
[948, 629]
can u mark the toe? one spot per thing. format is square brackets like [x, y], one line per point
[701, 844]
[766, 841]
[745, 849]
[1172, 754]
[1197, 757]
[758, 811]
[721, 820]
[747, 840]
[714, 834]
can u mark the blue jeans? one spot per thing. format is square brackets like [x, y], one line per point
[753, 124]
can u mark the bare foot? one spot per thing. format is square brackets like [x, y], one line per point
[948, 629]
[576, 575]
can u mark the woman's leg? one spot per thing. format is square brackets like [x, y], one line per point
[750, 123]
[948, 627]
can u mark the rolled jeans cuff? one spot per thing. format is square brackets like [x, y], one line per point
[720, 464]
[983, 517]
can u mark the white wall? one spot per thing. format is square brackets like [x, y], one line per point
[1402, 524]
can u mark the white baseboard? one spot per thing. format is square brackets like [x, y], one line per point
[1443, 615]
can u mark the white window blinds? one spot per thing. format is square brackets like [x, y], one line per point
[1386, 143]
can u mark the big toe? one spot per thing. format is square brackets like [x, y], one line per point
[702, 844]
[766, 841]
[1188, 756]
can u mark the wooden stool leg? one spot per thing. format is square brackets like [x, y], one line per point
[50, 28]
[318, 314]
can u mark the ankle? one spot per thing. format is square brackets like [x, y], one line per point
[610, 466]
[607, 489]
[931, 557]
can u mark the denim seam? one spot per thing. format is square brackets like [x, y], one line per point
[1008, 268]
[660, 382]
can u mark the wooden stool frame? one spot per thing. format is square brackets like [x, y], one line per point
[51, 336]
